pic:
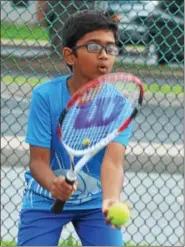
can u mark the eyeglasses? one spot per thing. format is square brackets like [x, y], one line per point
[97, 48]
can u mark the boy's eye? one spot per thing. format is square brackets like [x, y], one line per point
[94, 47]
[111, 48]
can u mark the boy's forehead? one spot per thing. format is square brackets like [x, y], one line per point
[101, 35]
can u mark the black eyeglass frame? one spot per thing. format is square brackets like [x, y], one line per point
[102, 47]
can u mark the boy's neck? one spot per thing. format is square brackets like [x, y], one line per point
[75, 83]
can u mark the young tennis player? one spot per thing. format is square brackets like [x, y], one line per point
[89, 49]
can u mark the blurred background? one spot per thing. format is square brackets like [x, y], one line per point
[151, 46]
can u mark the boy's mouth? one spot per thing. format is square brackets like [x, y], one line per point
[103, 69]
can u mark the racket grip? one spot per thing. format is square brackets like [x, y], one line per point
[58, 205]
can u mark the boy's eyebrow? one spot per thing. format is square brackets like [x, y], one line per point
[99, 41]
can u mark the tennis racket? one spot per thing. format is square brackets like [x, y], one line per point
[94, 116]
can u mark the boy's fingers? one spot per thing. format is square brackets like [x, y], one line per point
[107, 220]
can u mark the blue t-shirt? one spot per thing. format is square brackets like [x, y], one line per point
[48, 101]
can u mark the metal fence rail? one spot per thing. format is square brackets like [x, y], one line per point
[151, 46]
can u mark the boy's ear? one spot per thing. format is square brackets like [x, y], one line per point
[68, 55]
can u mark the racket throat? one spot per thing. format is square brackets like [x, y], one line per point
[71, 177]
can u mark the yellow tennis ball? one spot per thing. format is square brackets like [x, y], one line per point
[119, 214]
[86, 141]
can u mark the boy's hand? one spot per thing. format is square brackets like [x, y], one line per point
[61, 190]
[107, 203]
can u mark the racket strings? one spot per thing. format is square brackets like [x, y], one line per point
[129, 90]
[127, 84]
[101, 102]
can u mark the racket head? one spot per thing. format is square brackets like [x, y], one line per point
[99, 111]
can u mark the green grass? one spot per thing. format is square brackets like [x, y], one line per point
[23, 32]
[153, 87]
[159, 69]
[67, 242]
[8, 243]
[165, 89]
[23, 80]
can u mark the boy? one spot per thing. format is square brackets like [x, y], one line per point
[89, 49]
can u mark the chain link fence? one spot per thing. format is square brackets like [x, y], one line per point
[151, 46]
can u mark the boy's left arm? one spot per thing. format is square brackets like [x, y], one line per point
[112, 174]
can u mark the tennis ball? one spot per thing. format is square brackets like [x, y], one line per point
[86, 141]
[119, 214]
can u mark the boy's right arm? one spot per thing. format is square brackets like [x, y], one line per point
[41, 171]
[39, 137]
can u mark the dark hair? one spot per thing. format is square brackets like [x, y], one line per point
[86, 21]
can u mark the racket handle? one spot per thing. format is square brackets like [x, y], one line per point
[58, 205]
